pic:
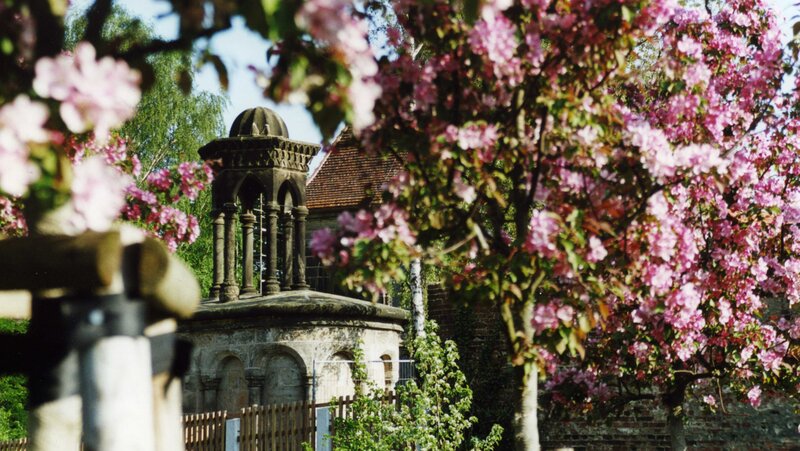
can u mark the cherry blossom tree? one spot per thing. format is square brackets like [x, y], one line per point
[613, 175]
[617, 178]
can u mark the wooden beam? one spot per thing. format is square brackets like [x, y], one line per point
[85, 262]
[165, 281]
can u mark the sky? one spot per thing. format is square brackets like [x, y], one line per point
[240, 48]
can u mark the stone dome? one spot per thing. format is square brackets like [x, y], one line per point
[258, 121]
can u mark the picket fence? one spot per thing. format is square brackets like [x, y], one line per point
[273, 427]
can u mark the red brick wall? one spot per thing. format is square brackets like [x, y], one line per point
[475, 328]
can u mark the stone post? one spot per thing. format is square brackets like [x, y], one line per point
[230, 290]
[210, 385]
[247, 219]
[219, 258]
[272, 247]
[288, 226]
[255, 385]
[300, 214]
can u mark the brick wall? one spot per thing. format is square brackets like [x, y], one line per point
[476, 330]
[773, 426]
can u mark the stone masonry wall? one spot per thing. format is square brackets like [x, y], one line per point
[771, 427]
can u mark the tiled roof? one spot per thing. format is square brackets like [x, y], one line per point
[348, 177]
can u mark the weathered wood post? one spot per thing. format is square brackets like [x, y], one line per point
[95, 295]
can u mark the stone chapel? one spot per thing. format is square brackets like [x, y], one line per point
[264, 336]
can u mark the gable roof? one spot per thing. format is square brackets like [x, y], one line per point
[348, 177]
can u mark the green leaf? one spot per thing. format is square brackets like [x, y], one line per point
[6, 46]
[627, 14]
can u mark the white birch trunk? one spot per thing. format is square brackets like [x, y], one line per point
[417, 301]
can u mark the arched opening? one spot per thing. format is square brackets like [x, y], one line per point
[388, 374]
[336, 378]
[232, 394]
[283, 379]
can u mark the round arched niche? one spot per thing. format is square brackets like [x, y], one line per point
[283, 379]
[388, 371]
[232, 393]
[336, 377]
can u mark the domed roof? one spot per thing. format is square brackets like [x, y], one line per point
[258, 121]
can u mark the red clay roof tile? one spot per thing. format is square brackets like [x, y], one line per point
[348, 177]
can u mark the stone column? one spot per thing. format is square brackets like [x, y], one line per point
[230, 289]
[248, 219]
[219, 257]
[288, 254]
[300, 214]
[255, 385]
[210, 385]
[272, 247]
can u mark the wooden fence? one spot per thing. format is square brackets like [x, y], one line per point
[273, 427]
[204, 431]
[20, 444]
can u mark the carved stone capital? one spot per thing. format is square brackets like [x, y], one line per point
[300, 212]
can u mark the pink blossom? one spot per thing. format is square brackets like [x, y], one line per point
[543, 230]
[360, 224]
[754, 396]
[21, 121]
[710, 401]
[330, 22]
[322, 243]
[476, 136]
[656, 152]
[16, 173]
[597, 251]
[697, 75]
[24, 120]
[640, 350]
[160, 179]
[466, 192]
[565, 314]
[494, 37]
[98, 194]
[545, 317]
[770, 359]
[99, 94]
[690, 47]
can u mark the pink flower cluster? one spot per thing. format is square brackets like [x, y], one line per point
[333, 23]
[388, 224]
[94, 94]
[21, 123]
[154, 204]
[544, 228]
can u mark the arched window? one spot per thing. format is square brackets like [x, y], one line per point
[283, 379]
[232, 394]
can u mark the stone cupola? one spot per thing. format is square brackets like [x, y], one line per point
[262, 179]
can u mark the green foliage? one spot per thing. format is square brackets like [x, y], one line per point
[431, 412]
[13, 392]
[172, 121]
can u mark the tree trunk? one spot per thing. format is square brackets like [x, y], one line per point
[673, 401]
[417, 300]
[526, 427]
[677, 433]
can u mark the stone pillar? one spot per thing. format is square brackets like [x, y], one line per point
[230, 289]
[300, 214]
[219, 257]
[288, 254]
[248, 219]
[210, 385]
[272, 248]
[255, 385]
